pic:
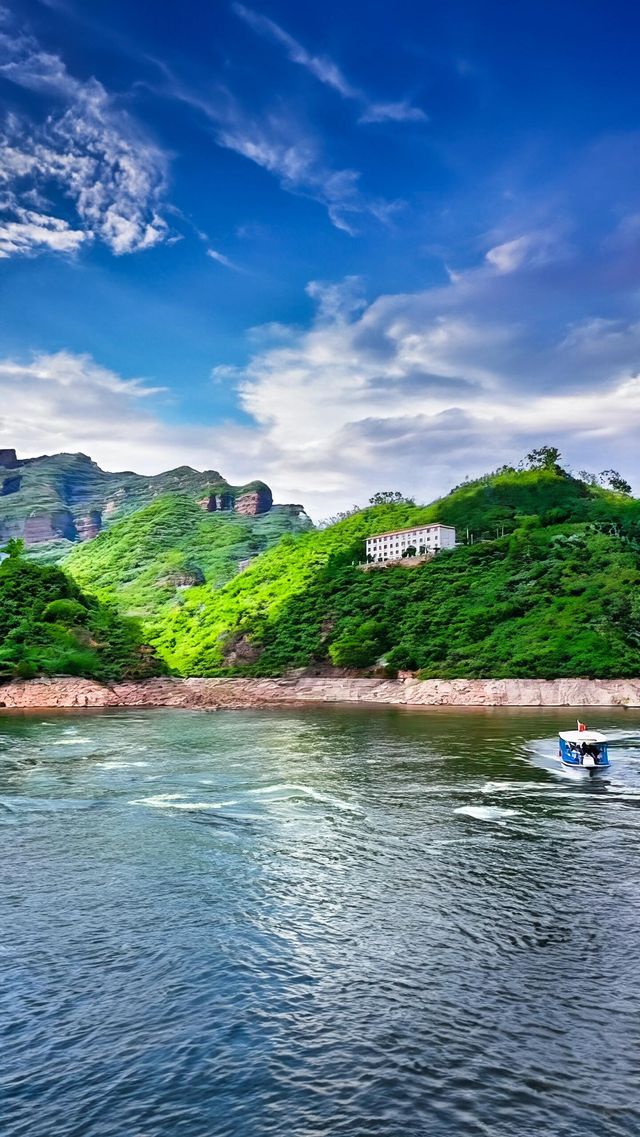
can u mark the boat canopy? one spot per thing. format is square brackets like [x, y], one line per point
[588, 736]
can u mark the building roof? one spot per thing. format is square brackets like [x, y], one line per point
[587, 736]
[412, 529]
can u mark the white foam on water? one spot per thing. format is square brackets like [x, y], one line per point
[72, 742]
[316, 795]
[120, 765]
[501, 787]
[172, 801]
[487, 812]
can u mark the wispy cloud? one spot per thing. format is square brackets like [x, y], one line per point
[528, 250]
[86, 150]
[401, 111]
[222, 260]
[277, 142]
[323, 68]
[326, 71]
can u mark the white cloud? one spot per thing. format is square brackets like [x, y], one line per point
[530, 249]
[324, 69]
[277, 141]
[416, 391]
[61, 398]
[509, 256]
[328, 72]
[94, 155]
[30, 232]
[413, 391]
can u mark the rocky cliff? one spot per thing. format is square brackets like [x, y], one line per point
[67, 498]
[240, 693]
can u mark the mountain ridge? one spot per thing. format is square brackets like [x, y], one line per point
[53, 501]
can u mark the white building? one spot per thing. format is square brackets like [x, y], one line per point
[424, 539]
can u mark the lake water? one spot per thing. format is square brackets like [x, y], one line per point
[345, 922]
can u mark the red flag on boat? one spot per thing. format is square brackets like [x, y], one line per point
[582, 725]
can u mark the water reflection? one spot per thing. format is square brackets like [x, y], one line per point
[355, 922]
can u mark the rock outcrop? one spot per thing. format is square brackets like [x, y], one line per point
[67, 497]
[258, 501]
[47, 526]
[10, 485]
[89, 526]
[251, 503]
[44, 694]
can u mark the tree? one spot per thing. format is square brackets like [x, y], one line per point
[326, 522]
[14, 548]
[410, 551]
[390, 497]
[589, 479]
[359, 645]
[544, 458]
[613, 479]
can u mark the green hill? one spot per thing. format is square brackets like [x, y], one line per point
[49, 627]
[146, 560]
[545, 583]
[556, 595]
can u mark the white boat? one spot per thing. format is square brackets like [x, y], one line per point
[584, 750]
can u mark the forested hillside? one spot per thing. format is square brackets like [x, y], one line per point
[544, 583]
[49, 627]
[147, 559]
[548, 587]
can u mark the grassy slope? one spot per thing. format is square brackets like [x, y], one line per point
[140, 558]
[193, 637]
[556, 597]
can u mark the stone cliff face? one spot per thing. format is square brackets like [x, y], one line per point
[8, 459]
[238, 693]
[67, 497]
[89, 526]
[49, 527]
[251, 503]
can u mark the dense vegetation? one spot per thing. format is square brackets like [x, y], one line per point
[208, 628]
[146, 560]
[545, 583]
[540, 603]
[546, 586]
[49, 627]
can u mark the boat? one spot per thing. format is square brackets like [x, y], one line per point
[584, 750]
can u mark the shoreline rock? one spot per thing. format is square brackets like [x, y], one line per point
[48, 694]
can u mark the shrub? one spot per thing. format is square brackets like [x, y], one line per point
[68, 612]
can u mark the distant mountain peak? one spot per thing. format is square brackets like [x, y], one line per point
[67, 497]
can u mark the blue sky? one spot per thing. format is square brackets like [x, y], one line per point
[341, 247]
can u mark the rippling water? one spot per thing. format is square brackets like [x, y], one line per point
[318, 922]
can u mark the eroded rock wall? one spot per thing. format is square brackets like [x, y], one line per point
[243, 693]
